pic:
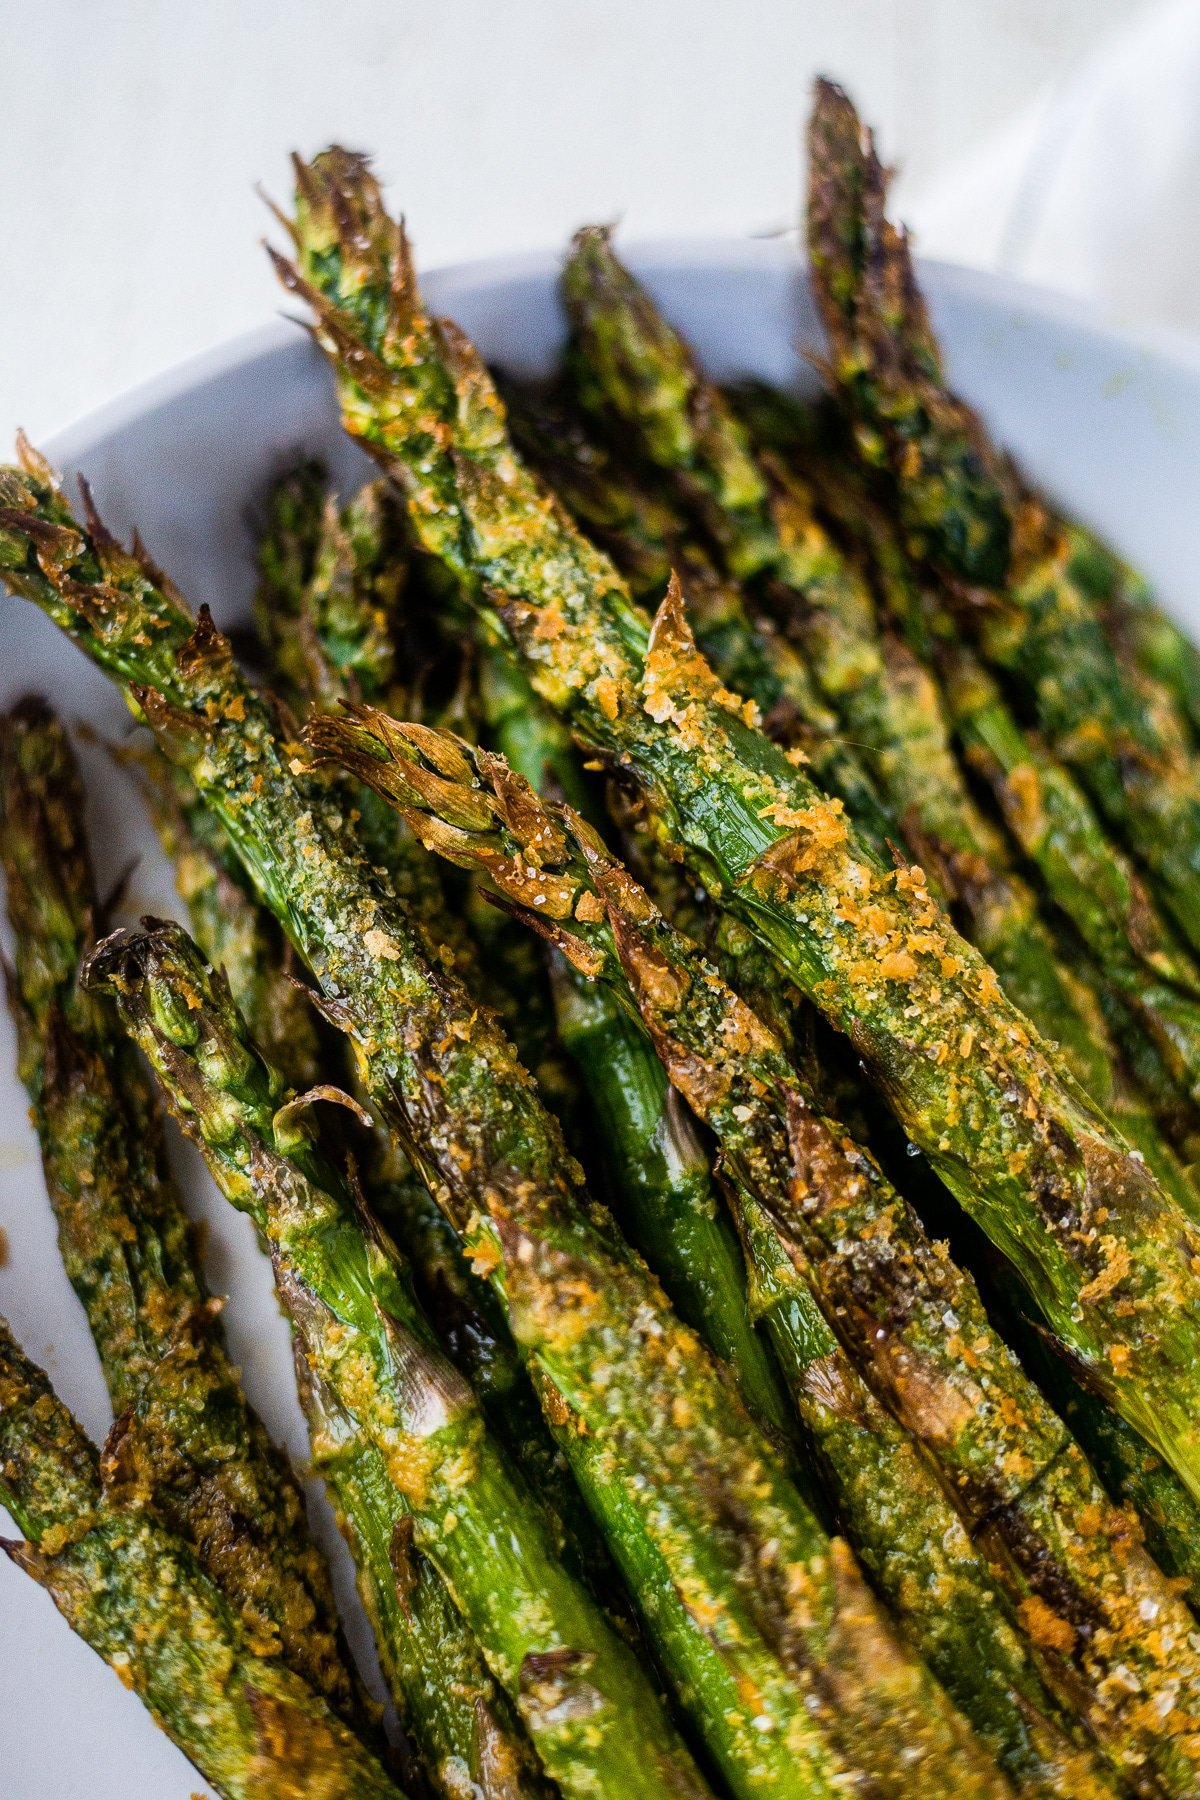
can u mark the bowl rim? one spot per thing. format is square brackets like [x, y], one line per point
[72, 441]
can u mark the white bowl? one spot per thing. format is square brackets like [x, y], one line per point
[1111, 428]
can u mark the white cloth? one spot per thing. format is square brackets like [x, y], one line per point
[1094, 188]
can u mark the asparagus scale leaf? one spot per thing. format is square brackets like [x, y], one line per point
[135, 1592]
[186, 1441]
[1099, 1246]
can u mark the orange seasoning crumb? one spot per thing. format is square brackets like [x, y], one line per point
[485, 1257]
[1090, 1521]
[898, 965]
[1117, 1266]
[819, 829]
[1025, 793]
[608, 695]
[1119, 1357]
[1044, 1626]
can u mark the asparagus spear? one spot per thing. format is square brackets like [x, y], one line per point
[588, 1707]
[1096, 886]
[669, 1457]
[1096, 1242]
[461, 1722]
[1034, 619]
[1076, 860]
[330, 581]
[135, 1592]
[662, 1186]
[453, 1712]
[644, 534]
[623, 350]
[1082, 1587]
[337, 574]
[897, 1513]
[186, 1441]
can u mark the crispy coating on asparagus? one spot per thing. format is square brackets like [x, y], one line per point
[135, 1592]
[551, 869]
[1101, 1248]
[364, 1337]
[607, 1350]
[1029, 610]
[185, 1442]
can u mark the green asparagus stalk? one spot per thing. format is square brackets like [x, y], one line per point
[455, 1716]
[1075, 846]
[1096, 1242]
[135, 1592]
[645, 535]
[339, 574]
[669, 1456]
[186, 1442]
[328, 599]
[234, 931]
[1034, 618]
[588, 1708]
[1096, 886]
[661, 1183]
[460, 1721]
[896, 1511]
[293, 515]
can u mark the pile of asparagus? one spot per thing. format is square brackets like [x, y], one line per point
[694, 972]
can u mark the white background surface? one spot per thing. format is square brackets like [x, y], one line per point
[133, 131]
[132, 137]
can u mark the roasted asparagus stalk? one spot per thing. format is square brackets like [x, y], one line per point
[662, 1186]
[185, 1443]
[893, 1504]
[964, 509]
[644, 532]
[332, 577]
[1100, 1247]
[588, 1708]
[135, 1592]
[607, 1352]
